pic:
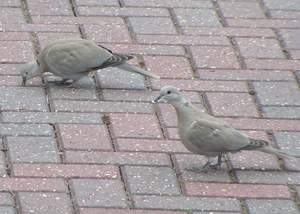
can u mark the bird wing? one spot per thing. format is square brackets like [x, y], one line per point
[213, 137]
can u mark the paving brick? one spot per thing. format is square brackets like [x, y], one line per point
[95, 193]
[263, 23]
[284, 14]
[32, 149]
[87, 137]
[72, 93]
[65, 171]
[172, 133]
[36, 202]
[259, 75]
[268, 177]
[16, 51]
[118, 158]
[148, 49]
[11, 15]
[237, 190]
[169, 67]
[54, 7]
[241, 9]
[168, 3]
[20, 98]
[198, 85]
[33, 184]
[17, 81]
[183, 40]
[232, 104]
[46, 38]
[40, 28]
[26, 129]
[185, 161]
[295, 54]
[9, 69]
[51, 117]
[97, 2]
[6, 199]
[280, 64]
[125, 211]
[115, 78]
[145, 145]
[151, 180]
[271, 206]
[282, 5]
[281, 112]
[7, 210]
[197, 17]
[135, 125]
[2, 165]
[214, 57]
[186, 203]
[101, 106]
[10, 3]
[150, 25]
[124, 11]
[289, 141]
[259, 48]
[290, 38]
[128, 95]
[287, 93]
[14, 36]
[228, 31]
[254, 160]
[107, 33]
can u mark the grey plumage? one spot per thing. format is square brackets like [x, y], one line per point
[206, 135]
[76, 60]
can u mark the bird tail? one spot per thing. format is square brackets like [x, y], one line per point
[132, 68]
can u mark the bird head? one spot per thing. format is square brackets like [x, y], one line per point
[169, 94]
[29, 71]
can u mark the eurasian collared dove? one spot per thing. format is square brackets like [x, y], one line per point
[206, 135]
[76, 60]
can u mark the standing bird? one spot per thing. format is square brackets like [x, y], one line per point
[76, 60]
[206, 135]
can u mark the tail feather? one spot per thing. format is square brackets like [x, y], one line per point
[132, 68]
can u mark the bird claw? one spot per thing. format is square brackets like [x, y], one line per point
[196, 169]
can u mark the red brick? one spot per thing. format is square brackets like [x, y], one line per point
[72, 93]
[53, 7]
[237, 190]
[125, 211]
[16, 51]
[118, 158]
[168, 3]
[227, 31]
[128, 95]
[143, 145]
[135, 125]
[214, 57]
[198, 85]
[169, 67]
[33, 184]
[232, 104]
[280, 64]
[39, 28]
[72, 20]
[152, 25]
[14, 36]
[241, 9]
[259, 48]
[125, 11]
[11, 15]
[42, 202]
[65, 171]
[83, 136]
[263, 23]
[107, 33]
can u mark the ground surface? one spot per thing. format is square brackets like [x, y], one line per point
[236, 59]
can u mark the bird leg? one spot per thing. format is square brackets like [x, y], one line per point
[61, 82]
[207, 165]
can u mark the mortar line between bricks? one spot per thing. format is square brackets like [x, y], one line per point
[106, 121]
[17, 202]
[8, 163]
[255, 99]
[294, 195]
[129, 197]
[175, 20]
[71, 194]
[162, 126]
[271, 137]
[179, 181]
[237, 52]
[244, 207]
[192, 63]
[282, 44]
[219, 13]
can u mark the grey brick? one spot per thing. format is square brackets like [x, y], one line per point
[257, 206]
[26, 129]
[51, 117]
[151, 180]
[6, 199]
[2, 167]
[186, 203]
[197, 17]
[282, 4]
[291, 37]
[72, 93]
[115, 78]
[17, 98]
[104, 193]
[278, 93]
[151, 25]
[32, 149]
[7, 210]
[281, 112]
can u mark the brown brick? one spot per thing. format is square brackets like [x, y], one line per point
[135, 125]
[87, 137]
[214, 57]
[236, 9]
[72, 93]
[280, 64]
[237, 190]
[65, 171]
[33, 184]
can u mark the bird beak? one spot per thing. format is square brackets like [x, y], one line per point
[157, 99]
[23, 81]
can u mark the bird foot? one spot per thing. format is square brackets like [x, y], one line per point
[196, 169]
[61, 83]
[204, 168]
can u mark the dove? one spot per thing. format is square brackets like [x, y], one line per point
[204, 134]
[77, 61]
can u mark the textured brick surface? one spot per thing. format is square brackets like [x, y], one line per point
[145, 25]
[241, 9]
[271, 206]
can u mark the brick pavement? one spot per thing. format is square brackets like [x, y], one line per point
[110, 150]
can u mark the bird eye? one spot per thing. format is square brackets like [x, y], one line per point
[168, 92]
